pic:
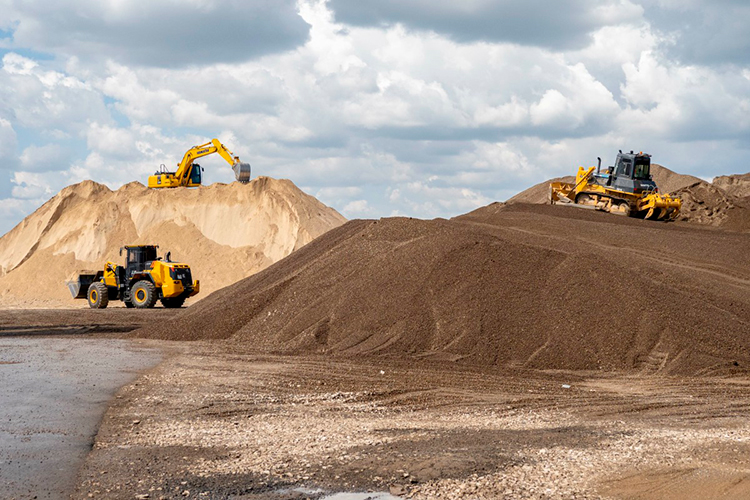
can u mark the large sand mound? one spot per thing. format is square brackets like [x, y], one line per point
[224, 231]
[508, 285]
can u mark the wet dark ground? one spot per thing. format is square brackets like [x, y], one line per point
[55, 390]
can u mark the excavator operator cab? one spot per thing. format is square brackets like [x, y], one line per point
[195, 174]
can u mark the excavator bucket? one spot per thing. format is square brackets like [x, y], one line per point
[241, 172]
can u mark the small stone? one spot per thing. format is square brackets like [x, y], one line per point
[186, 493]
[397, 490]
[142, 496]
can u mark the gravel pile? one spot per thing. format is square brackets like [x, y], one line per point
[519, 285]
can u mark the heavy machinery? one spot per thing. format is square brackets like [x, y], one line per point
[188, 174]
[143, 280]
[627, 189]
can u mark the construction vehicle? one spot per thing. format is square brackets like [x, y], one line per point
[144, 279]
[627, 189]
[188, 174]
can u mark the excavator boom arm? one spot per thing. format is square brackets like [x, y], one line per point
[192, 154]
[184, 174]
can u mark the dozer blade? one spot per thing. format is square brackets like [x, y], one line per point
[242, 172]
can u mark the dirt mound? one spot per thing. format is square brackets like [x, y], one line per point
[535, 286]
[736, 185]
[669, 181]
[224, 231]
[539, 193]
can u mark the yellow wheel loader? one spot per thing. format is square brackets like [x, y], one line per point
[627, 189]
[188, 174]
[143, 280]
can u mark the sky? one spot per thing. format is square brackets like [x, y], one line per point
[423, 108]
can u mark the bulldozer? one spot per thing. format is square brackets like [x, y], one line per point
[141, 282]
[627, 188]
[189, 174]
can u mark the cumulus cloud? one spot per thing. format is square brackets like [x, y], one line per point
[165, 33]
[532, 22]
[702, 31]
[47, 99]
[49, 157]
[375, 110]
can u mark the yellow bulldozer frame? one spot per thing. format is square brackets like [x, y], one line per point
[587, 193]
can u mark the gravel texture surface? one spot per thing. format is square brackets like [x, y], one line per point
[213, 422]
[535, 286]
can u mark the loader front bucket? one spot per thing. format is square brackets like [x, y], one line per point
[242, 172]
[79, 286]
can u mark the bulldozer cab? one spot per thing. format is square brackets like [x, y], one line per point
[632, 173]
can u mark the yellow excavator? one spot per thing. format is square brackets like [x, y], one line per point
[188, 173]
[627, 189]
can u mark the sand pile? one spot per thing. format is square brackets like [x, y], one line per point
[735, 185]
[224, 231]
[508, 285]
[725, 202]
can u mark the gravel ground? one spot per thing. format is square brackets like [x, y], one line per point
[212, 422]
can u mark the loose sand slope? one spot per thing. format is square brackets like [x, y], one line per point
[513, 285]
[224, 231]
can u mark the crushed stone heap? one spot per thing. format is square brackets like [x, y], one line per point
[514, 285]
[226, 232]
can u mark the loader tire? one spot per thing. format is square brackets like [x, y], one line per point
[173, 302]
[143, 294]
[97, 296]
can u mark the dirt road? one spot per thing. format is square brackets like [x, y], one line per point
[216, 422]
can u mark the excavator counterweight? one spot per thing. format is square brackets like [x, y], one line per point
[188, 173]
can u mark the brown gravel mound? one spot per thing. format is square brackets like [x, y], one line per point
[507, 285]
[736, 185]
[539, 193]
[226, 232]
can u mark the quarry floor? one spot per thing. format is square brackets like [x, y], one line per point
[215, 421]
[212, 422]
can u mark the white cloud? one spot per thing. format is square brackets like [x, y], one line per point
[357, 208]
[374, 119]
[47, 99]
[158, 32]
[48, 157]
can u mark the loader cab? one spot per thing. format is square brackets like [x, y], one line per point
[139, 258]
[632, 173]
